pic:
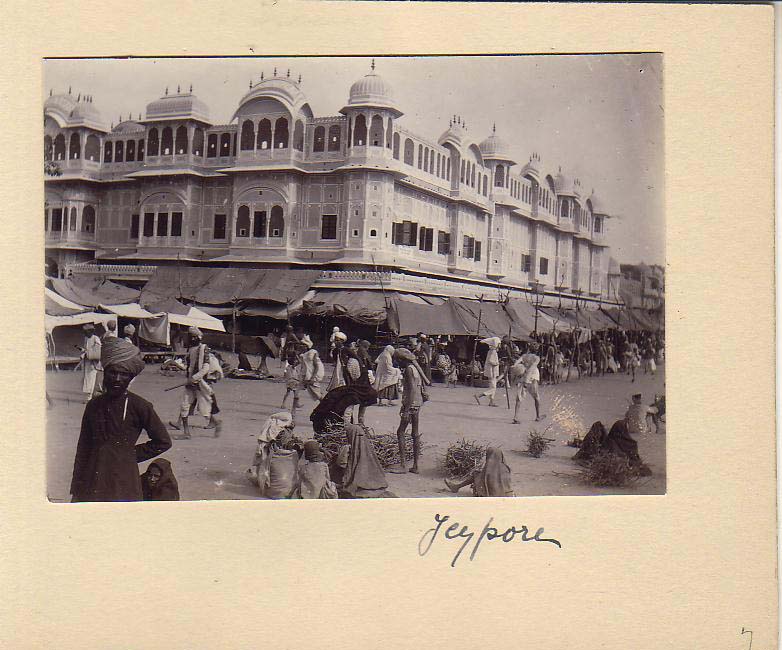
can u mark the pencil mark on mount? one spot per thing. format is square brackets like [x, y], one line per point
[457, 531]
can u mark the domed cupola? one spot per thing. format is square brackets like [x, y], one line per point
[86, 114]
[533, 168]
[372, 91]
[456, 135]
[565, 185]
[280, 88]
[598, 206]
[127, 126]
[495, 148]
[179, 106]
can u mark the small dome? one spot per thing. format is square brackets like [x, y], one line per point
[495, 148]
[128, 126]
[60, 107]
[177, 106]
[86, 114]
[532, 168]
[598, 206]
[565, 185]
[456, 135]
[372, 91]
[283, 89]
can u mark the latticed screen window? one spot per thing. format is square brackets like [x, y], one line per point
[426, 239]
[149, 224]
[526, 263]
[219, 226]
[259, 223]
[477, 251]
[405, 233]
[134, 222]
[543, 266]
[328, 226]
[176, 224]
[443, 242]
[468, 247]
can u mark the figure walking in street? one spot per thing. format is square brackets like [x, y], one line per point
[491, 369]
[312, 370]
[413, 397]
[527, 375]
[90, 359]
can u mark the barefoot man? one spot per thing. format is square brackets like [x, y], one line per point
[528, 379]
[413, 398]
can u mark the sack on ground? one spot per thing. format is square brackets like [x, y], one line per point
[283, 472]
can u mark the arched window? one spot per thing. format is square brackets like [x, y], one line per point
[472, 175]
[88, 219]
[108, 151]
[259, 223]
[319, 139]
[243, 221]
[499, 176]
[264, 139]
[376, 132]
[167, 142]
[334, 137]
[426, 160]
[350, 133]
[153, 143]
[75, 149]
[563, 211]
[409, 149]
[130, 150]
[48, 147]
[438, 164]
[140, 151]
[59, 147]
[225, 144]
[485, 185]
[181, 140]
[281, 133]
[448, 169]
[73, 219]
[211, 145]
[420, 156]
[431, 161]
[360, 131]
[92, 147]
[389, 134]
[198, 141]
[119, 151]
[247, 140]
[396, 146]
[461, 172]
[276, 222]
[298, 136]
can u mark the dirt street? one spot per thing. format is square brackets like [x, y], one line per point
[208, 468]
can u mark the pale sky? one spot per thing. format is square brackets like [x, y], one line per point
[598, 117]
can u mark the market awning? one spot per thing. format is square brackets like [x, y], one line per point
[94, 291]
[492, 317]
[361, 305]
[56, 305]
[597, 320]
[196, 317]
[523, 314]
[50, 322]
[222, 286]
[411, 318]
[131, 310]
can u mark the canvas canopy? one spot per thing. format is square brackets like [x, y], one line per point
[51, 322]
[493, 319]
[226, 285]
[92, 292]
[130, 310]
[410, 318]
[56, 305]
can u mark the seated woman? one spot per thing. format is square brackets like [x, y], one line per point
[276, 426]
[314, 479]
[330, 411]
[617, 441]
[158, 483]
[492, 480]
[364, 476]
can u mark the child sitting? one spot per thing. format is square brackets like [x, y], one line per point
[314, 480]
[158, 482]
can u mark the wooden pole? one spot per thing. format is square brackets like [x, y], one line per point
[475, 343]
[507, 375]
[233, 327]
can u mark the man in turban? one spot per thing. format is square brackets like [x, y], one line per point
[107, 454]
[129, 330]
[199, 396]
[413, 397]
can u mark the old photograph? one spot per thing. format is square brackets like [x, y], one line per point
[354, 277]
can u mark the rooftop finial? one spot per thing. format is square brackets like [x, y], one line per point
[51, 90]
[373, 65]
[78, 99]
[299, 78]
[261, 75]
[288, 74]
[191, 88]
[139, 117]
[494, 128]
[251, 83]
[177, 89]
[166, 90]
[69, 90]
[275, 71]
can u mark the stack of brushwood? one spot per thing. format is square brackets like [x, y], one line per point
[537, 444]
[386, 444]
[610, 470]
[462, 458]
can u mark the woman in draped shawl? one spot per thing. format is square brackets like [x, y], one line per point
[107, 456]
[492, 480]
[387, 377]
[364, 476]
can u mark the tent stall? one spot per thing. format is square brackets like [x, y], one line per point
[93, 292]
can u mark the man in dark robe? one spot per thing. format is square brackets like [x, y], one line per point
[107, 454]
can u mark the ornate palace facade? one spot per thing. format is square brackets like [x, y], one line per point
[280, 186]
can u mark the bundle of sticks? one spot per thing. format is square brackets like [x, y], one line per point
[385, 444]
[462, 458]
